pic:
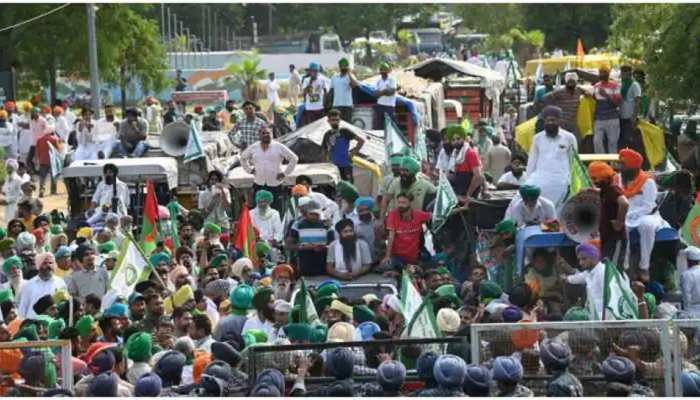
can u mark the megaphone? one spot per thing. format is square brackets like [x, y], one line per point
[174, 138]
[580, 216]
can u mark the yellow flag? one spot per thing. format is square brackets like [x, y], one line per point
[584, 116]
[525, 132]
[654, 142]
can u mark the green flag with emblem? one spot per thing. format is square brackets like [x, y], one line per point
[445, 202]
[394, 140]
[579, 175]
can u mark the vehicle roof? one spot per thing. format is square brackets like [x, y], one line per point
[160, 169]
[320, 174]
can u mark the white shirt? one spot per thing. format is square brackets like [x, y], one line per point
[627, 104]
[548, 165]
[382, 84]
[272, 95]
[33, 290]
[270, 226]
[522, 215]
[25, 135]
[294, 80]
[690, 288]
[104, 193]
[329, 207]
[508, 177]
[443, 161]
[594, 280]
[342, 90]
[265, 165]
[70, 117]
[62, 128]
[314, 101]
[105, 131]
[255, 323]
[218, 215]
[8, 135]
[642, 204]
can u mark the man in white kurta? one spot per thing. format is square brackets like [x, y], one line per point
[45, 282]
[266, 219]
[548, 165]
[12, 188]
[593, 276]
[690, 283]
[530, 208]
[642, 214]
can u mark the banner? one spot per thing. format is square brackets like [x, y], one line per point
[445, 202]
[56, 161]
[619, 301]
[193, 150]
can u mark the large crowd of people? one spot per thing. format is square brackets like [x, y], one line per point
[187, 326]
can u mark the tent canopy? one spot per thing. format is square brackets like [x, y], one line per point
[437, 69]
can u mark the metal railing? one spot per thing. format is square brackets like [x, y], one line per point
[66, 362]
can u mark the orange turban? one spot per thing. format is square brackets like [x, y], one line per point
[200, 362]
[596, 243]
[604, 68]
[58, 110]
[599, 170]
[300, 190]
[282, 270]
[631, 159]
[10, 105]
[45, 109]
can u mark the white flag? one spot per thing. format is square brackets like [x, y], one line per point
[56, 161]
[131, 268]
[417, 311]
[194, 144]
[445, 201]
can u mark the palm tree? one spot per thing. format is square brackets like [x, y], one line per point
[247, 74]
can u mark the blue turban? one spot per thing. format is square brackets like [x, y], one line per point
[657, 289]
[104, 385]
[367, 330]
[103, 361]
[555, 355]
[364, 201]
[512, 314]
[507, 369]
[148, 385]
[477, 381]
[339, 362]
[273, 378]
[424, 365]
[117, 310]
[618, 369]
[449, 371]
[169, 368]
[265, 390]
[690, 382]
[391, 375]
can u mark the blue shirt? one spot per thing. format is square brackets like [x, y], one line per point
[337, 144]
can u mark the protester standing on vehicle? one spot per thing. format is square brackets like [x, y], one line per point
[342, 85]
[405, 226]
[607, 113]
[385, 92]
[246, 131]
[336, 145]
[294, 87]
[118, 199]
[630, 102]
[315, 86]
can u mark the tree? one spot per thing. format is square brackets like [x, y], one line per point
[663, 38]
[563, 24]
[247, 74]
[493, 19]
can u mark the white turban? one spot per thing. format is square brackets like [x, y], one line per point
[11, 162]
[571, 76]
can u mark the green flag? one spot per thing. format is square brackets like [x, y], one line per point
[619, 301]
[691, 227]
[174, 210]
[307, 310]
[418, 311]
[579, 175]
[445, 201]
[193, 150]
[421, 146]
[394, 140]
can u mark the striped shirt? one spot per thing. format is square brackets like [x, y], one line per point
[568, 102]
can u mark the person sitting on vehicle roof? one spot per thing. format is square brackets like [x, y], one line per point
[105, 192]
[133, 136]
[531, 208]
[348, 257]
[211, 122]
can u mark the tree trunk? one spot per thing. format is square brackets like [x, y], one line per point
[52, 82]
[122, 88]
[368, 48]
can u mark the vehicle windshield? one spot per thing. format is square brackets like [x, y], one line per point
[430, 37]
[332, 45]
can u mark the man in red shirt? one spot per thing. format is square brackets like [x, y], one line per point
[405, 226]
[44, 157]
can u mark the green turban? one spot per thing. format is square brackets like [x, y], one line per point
[216, 261]
[343, 63]
[362, 314]
[55, 328]
[213, 228]
[448, 292]
[443, 271]
[261, 195]
[6, 244]
[139, 346]
[158, 258]
[651, 303]
[107, 247]
[384, 66]
[396, 159]
[27, 333]
[489, 290]
[577, 314]
[506, 226]
[347, 191]
[56, 229]
[529, 192]
[299, 332]
[262, 248]
[325, 301]
[318, 334]
[44, 320]
[260, 336]
[6, 295]
[3, 233]
[13, 261]
[84, 325]
[242, 297]
[456, 132]
[411, 165]
[327, 290]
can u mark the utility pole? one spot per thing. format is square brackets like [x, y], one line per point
[94, 71]
[269, 19]
[162, 22]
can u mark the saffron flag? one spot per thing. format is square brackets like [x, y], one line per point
[619, 301]
[445, 202]
[56, 161]
[579, 175]
[193, 150]
[691, 227]
[245, 236]
[580, 53]
[149, 228]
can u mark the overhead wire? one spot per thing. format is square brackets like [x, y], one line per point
[7, 28]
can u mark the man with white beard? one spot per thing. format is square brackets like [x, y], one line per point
[283, 281]
[266, 219]
[45, 282]
[12, 268]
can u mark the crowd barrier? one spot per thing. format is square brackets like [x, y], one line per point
[659, 344]
[64, 363]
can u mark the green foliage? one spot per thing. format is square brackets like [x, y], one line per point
[247, 74]
[664, 38]
[493, 19]
[563, 24]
